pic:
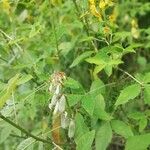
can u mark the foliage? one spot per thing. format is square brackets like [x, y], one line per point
[74, 74]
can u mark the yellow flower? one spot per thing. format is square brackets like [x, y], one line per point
[6, 6]
[134, 23]
[135, 32]
[93, 9]
[113, 16]
[134, 29]
[92, 2]
[106, 30]
[102, 4]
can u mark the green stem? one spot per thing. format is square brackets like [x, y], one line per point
[23, 130]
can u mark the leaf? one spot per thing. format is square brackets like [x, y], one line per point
[108, 70]
[139, 142]
[5, 95]
[25, 143]
[98, 68]
[147, 95]
[24, 79]
[85, 141]
[100, 58]
[71, 83]
[136, 115]
[65, 47]
[121, 128]
[103, 136]
[97, 87]
[81, 58]
[73, 99]
[146, 78]
[88, 103]
[81, 127]
[142, 124]
[128, 93]
[5, 132]
[99, 109]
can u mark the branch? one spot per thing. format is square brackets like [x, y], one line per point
[136, 80]
[23, 130]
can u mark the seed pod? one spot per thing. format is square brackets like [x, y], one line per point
[50, 88]
[64, 120]
[56, 108]
[53, 101]
[62, 103]
[71, 130]
[58, 89]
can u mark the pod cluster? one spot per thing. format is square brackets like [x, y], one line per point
[58, 102]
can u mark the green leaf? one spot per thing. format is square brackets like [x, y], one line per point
[24, 79]
[147, 95]
[5, 95]
[142, 124]
[100, 58]
[99, 110]
[146, 78]
[85, 141]
[71, 83]
[81, 127]
[81, 58]
[98, 68]
[65, 47]
[136, 115]
[88, 103]
[108, 70]
[139, 142]
[97, 87]
[121, 128]
[73, 99]
[5, 132]
[128, 93]
[103, 136]
[25, 143]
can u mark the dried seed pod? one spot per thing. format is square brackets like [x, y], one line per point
[50, 88]
[56, 108]
[71, 130]
[64, 120]
[53, 101]
[62, 103]
[58, 89]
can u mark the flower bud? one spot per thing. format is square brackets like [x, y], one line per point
[71, 130]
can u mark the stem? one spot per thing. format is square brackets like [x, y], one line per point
[14, 106]
[23, 130]
[85, 24]
[8, 37]
[131, 76]
[3, 59]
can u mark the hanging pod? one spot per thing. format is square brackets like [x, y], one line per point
[62, 103]
[71, 130]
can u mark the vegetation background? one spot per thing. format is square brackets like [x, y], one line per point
[102, 46]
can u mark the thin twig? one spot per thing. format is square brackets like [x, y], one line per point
[23, 130]
[57, 146]
[131, 76]
[14, 107]
[10, 38]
